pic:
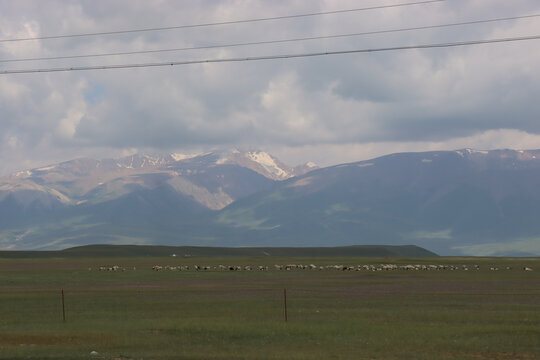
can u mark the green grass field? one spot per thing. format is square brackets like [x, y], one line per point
[143, 314]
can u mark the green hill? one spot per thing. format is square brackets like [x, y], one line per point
[199, 251]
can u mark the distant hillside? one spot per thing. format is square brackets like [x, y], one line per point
[200, 251]
[451, 202]
[463, 202]
[138, 199]
[213, 179]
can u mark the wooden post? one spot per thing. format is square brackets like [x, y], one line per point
[63, 307]
[285, 302]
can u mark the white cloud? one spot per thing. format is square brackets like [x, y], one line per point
[329, 154]
[67, 125]
[328, 109]
[10, 90]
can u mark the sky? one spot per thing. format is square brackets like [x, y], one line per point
[326, 109]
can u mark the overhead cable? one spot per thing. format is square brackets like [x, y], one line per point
[270, 41]
[220, 23]
[271, 57]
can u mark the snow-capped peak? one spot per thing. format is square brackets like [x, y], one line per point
[140, 161]
[180, 157]
[470, 151]
[24, 173]
[267, 162]
[473, 151]
[46, 168]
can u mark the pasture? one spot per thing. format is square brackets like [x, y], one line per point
[140, 313]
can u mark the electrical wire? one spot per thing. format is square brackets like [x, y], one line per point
[220, 23]
[272, 57]
[272, 41]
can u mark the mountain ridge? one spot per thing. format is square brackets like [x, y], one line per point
[463, 202]
[88, 180]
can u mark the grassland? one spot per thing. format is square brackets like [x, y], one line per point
[143, 314]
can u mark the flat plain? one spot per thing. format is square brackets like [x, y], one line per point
[139, 313]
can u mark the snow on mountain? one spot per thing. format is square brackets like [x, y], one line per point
[22, 174]
[180, 157]
[207, 177]
[263, 163]
[46, 168]
[258, 161]
[141, 161]
[268, 163]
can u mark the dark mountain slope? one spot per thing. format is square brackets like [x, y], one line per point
[448, 202]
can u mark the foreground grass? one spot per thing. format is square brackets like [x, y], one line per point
[143, 314]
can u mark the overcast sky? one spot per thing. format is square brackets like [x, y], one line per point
[329, 109]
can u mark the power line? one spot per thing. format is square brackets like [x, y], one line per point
[272, 57]
[272, 41]
[221, 23]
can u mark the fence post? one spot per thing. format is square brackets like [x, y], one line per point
[63, 307]
[285, 302]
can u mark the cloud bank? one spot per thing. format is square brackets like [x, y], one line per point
[327, 109]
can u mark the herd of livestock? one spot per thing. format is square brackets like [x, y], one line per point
[313, 267]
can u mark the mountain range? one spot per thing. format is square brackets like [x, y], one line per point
[463, 202]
